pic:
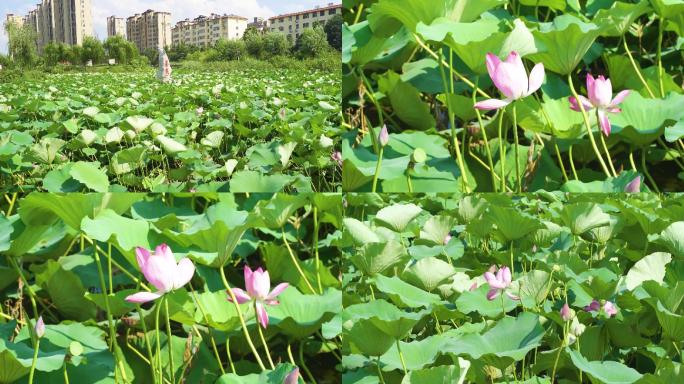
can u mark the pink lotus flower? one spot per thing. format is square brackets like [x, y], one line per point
[608, 307]
[566, 312]
[40, 327]
[161, 270]
[336, 156]
[634, 186]
[499, 282]
[292, 377]
[447, 239]
[258, 284]
[600, 91]
[511, 79]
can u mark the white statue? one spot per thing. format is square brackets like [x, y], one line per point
[164, 71]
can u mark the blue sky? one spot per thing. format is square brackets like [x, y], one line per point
[180, 9]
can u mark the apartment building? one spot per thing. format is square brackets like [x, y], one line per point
[149, 30]
[259, 23]
[292, 24]
[60, 21]
[116, 26]
[16, 19]
[206, 30]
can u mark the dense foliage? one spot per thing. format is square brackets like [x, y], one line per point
[429, 72]
[249, 129]
[77, 261]
[488, 288]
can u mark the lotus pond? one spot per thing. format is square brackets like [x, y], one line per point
[482, 95]
[240, 131]
[491, 288]
[170, 288]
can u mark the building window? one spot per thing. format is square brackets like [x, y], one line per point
[322, 13]
[306, 16]
[332, 12]
[306, 25]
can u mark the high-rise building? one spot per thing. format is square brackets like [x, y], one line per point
[116, 26]
[61, 21]
[149, 30]
[16, 19]
[204, 31]
[292, 24]
[259, 23]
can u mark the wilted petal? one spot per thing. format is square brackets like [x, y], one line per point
[512, 296]
[184, 272]
[277, 291]
[488, 105]
[143, 297]
[536, 78]
[585, 103]
[605, 124]
[240, 295]
[262, 316]
[492, 294]
[620, 97]
[634, 186]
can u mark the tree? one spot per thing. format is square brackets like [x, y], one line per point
[311, 42]
[22, 44]
[121, 50]
[275, 44]
[230, 49]
[92, 50]
[152, 56]
[333, 30]
[254, 43]
[181, 51]
[74, 54]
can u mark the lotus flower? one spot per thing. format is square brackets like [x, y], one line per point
[336, 156]
[499, 282]
[162, 271]
[608, 307]
[383, 137]
[600, 91]
[511, 79]
[566, 312]
[292, 377]
[258, 284]
[447, 239]
[634, 186]
[40, 327]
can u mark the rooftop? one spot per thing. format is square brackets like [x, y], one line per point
[325, 8]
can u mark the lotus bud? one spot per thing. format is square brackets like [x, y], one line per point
[383, 137]
[634, 186]
[40, 327]
[566, 312]
[293, 377]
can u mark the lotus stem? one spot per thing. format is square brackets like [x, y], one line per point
[646, 172]
[169, 342]
[378, 164]
[211, 336]
[103, 285]
[452, 126]
[588, 126]
[486, 141]
[263, 342]
[242, 320]
[66, 375]
[560, 161]
[605, 147]
[289, 354]
[515, 151]
[659, 57]
[302, 362]
[11, 204]
[296, 263]
[502, 151]
[33, 362]
[401, 357]
[377, 365]
[160, 371]
[315, 246]
[230, 357]
[31, 294]
[636, 68]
